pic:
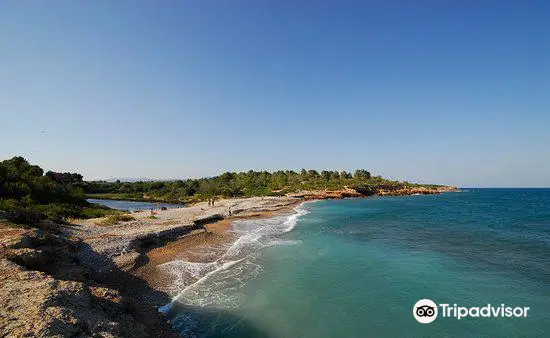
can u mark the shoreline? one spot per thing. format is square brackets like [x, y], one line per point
[175, 233]
[218, 234]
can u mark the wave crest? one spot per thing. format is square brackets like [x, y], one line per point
[235, 266]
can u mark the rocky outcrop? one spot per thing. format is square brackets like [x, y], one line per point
[33, 303]
[327, 194]
[29, 258]
[14, 237]
[208, 218]
[45, 292]
[408, 190]
[361, 192]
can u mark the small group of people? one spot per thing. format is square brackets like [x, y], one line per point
[211, 204]
[153, 212]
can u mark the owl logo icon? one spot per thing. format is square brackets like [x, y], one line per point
[425, 311]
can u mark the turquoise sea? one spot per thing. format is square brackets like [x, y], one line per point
[355, 268]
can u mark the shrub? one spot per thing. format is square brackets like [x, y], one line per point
[9, 204]
[114, 218]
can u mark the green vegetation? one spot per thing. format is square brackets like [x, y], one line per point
[27, 195]
[243, 184]
[114, 218]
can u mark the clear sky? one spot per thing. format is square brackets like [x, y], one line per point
[454, 92]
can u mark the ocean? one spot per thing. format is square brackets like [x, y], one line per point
[356, 268]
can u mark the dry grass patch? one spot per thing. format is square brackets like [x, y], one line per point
[113, 219]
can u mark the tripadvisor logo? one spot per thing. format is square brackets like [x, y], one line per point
[426, 311]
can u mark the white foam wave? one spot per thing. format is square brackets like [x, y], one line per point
[285, 242]
[293, 219]
[235, 266]
[219, 267]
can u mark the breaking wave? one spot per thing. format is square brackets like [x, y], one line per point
[236, 263]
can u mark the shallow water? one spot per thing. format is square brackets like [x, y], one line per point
[355, 268]
[132, 205]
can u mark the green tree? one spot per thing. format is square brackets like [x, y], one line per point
[362, 174]
[345, 175]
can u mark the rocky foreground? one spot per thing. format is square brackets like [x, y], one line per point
[78, 280]
[45, 291]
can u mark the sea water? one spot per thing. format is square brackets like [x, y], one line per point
[355, 268]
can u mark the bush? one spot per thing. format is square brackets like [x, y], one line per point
[94, 211]
[114, 218]
[9, 204]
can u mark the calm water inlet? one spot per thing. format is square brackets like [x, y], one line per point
[132, 205]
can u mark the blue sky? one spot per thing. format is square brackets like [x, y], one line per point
[427, 91]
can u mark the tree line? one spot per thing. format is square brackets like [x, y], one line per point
[26, 192]
[236, 184]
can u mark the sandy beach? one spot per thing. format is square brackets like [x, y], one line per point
[141, 245]
[192, 247]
